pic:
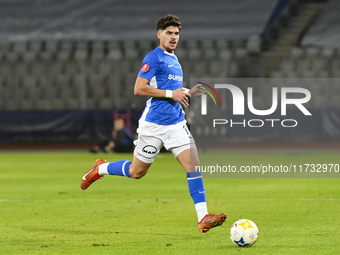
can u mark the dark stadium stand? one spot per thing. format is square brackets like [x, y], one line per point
[77, 55]
[72, 56]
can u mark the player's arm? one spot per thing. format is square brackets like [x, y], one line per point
[142, 88]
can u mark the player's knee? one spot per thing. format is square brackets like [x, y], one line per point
[137, 175]
[138, 169]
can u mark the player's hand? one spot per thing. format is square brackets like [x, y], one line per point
[195, 91]
[179, 95]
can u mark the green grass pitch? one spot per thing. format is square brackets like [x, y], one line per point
[44, 211]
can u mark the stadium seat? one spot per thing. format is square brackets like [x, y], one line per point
[52, 45]
[65, 51]
[58, 104]
[297, 52]
[194, 52]
[221, 44]
[49, 52]
[232, 69]
[42, 104]
[181, 53]
[209, 53]
[30, 56]
[35, 45]
[22, 95]
[12, 56]
[5, 70]
[130, 50]
[328, 52]
[114, 51]
[105, 67]
[200, 69]
[5, 46]
[208, 48]
[36, 68]
[215, 68]
[319, 64]
[287, 65]
[72, 67]
[72, 103]
[304, 64]
[308, 74]
[112, 86]
[324, 74]
[254, 45]
[26, 105]
[278, 74]
[91, 103]
[145, 46]
[225, 54]
[241, 53]
[312, 52]
[292, 74]
[29, 81]
[105, 103]
[81, 52]
[32, 51]
[336, 73]
[20, 47]
[98, 52]
[46, 55]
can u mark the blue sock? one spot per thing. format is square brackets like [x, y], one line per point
[197, 192]
[120, 168]
[196, 187]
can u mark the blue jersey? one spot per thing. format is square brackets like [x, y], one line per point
[163, 71]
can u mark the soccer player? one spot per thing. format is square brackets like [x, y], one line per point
[163, 123]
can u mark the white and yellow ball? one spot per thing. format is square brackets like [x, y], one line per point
[244, 233]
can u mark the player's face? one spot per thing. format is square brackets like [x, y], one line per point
[168, 38]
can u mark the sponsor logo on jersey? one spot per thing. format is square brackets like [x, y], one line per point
[145, 68]
[175, 77]
[149, 149]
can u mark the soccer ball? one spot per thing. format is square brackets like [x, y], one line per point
[244, 233]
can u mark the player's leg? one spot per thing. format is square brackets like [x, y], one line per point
[146, 150]
[184, 149]
[138, 168]
[135, 169]
[188, 158]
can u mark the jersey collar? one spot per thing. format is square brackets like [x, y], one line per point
[168, 53]
[165, 52]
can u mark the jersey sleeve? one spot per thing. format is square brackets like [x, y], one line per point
[150, 66]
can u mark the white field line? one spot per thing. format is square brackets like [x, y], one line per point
[163, 200]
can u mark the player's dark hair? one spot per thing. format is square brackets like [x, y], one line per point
[169, 20]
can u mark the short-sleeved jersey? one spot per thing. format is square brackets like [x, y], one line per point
[163, 71]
